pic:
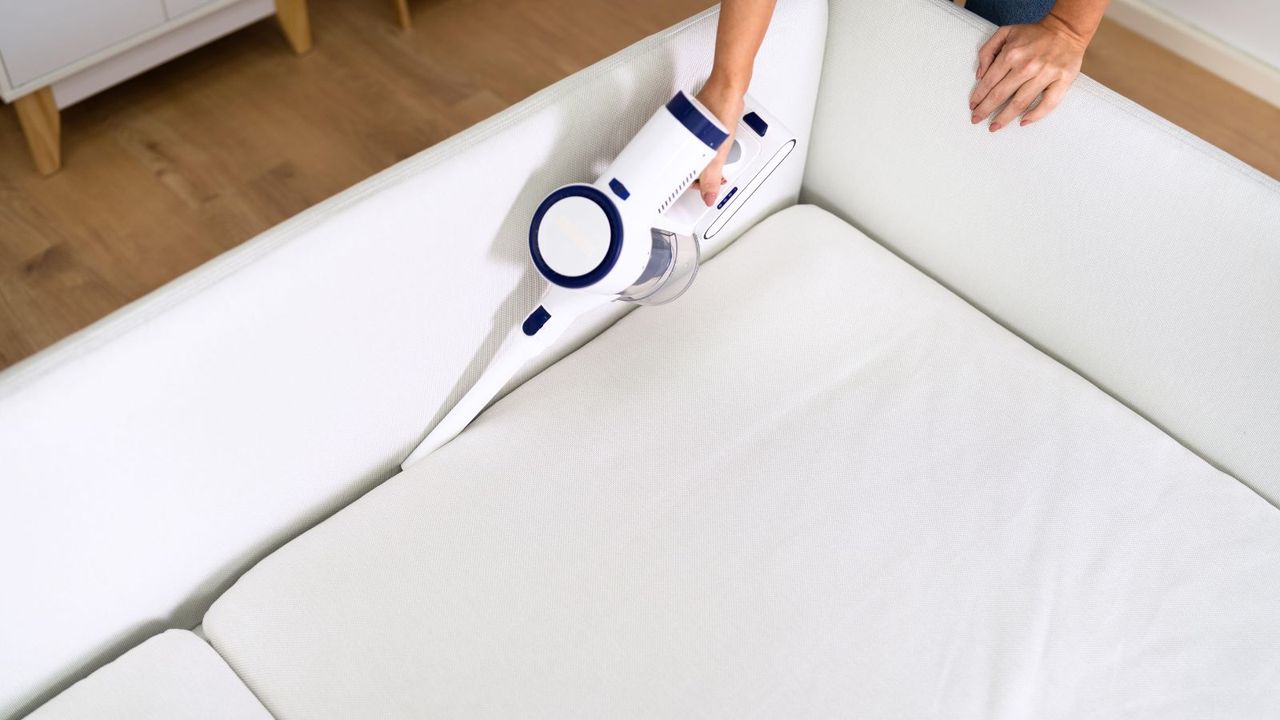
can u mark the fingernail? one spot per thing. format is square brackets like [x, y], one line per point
[975, 119]
[1023, 123]
[995, 127]
[708, 199]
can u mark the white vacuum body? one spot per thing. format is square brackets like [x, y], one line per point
[633, 235]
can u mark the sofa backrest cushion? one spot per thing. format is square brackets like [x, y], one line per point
[150, 459]
[1133, 252]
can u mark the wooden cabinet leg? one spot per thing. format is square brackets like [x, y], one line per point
[295, 23]
[41, 123]
[402, 14]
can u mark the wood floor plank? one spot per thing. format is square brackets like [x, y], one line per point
[188, 160]
[1190, 96]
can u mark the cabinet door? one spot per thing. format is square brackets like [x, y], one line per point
[41, 36]
[177, 8]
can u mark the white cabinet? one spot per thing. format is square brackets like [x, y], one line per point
[38, 37]
[177, 8]
[56, 52]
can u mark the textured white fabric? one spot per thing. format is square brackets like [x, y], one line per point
[147, 461]
[819, 485]
[172, 676]
[1130, 250]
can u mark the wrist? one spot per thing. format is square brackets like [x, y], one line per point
[1075, 31]
[727, 82]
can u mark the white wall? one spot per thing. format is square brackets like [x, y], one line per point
[1252, 26]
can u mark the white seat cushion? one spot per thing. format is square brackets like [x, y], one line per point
[820, 485]
[172, 676]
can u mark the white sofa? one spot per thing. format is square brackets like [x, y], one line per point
[986, 426]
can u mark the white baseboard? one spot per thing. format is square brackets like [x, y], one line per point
[1198, 46]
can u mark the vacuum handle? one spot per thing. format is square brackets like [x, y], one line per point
[664, 157]
[555, 313]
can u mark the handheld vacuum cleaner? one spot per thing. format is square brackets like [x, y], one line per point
[632, 236]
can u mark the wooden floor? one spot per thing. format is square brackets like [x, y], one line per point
[178, 165]
[1186, 94]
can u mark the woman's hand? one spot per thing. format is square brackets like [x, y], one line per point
[725, 101]
[1021, 62]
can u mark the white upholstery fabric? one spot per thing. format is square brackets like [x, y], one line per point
[1130, 250]
[819, 485]
[172, 676]
[149, 460]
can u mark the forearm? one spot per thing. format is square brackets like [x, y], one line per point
[738, 36]
[1077, 18]
[741, 30]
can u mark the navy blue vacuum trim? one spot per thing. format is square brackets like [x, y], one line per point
[593, 194]
[727, 198]
[700, 125]
[619, 189]
[756, 123]
[535, 321]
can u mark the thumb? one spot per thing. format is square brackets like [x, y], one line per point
[712, 177]
[710, 181]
